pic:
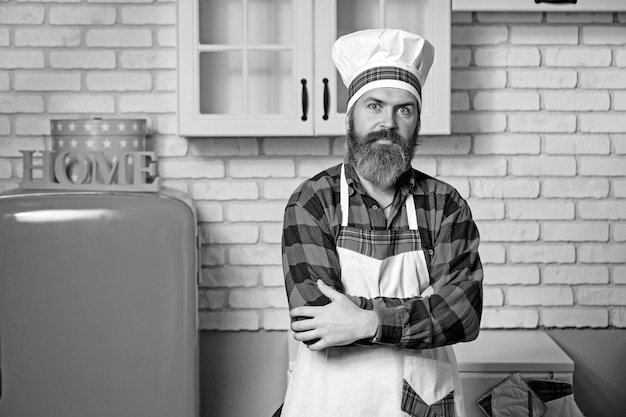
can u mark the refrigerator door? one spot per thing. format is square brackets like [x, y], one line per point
[97, 306]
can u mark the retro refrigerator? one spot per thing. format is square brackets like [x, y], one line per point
[98, 305]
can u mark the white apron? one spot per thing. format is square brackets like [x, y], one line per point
[377, 381]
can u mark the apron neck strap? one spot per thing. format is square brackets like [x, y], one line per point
[344, 200]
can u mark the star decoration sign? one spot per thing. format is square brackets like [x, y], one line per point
[94, 154]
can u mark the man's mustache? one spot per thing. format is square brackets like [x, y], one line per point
[383, 134]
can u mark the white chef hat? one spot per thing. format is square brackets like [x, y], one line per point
[375, 58]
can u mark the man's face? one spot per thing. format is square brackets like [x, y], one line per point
[382, 134]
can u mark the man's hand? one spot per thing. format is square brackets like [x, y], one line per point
[338, 323]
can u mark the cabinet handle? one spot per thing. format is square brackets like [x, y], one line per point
[305, 100]
[326, 98]
[557, 1]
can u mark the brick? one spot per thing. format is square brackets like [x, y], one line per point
[506, 100]
[14, 103]
[555, 253]
[209, 212]
[338, 146]
[609, 78]
[478, 122]
[574, 317]
[219, 147]
[574, 275]
[4, 37]
[80, 103]
[213, 255]
[257, 298]
[166, 146]
[176, 185]
[492, 254]
[427, 166]
[261, 168]
[77, 15]
[577, 57]
[604, 35]
[255, 255]
[493, 297]
[511, 275]
[618, 317]
[277, 189]
[118, 38]
[576, 144]
[460, 57]
[539, 296]
[6, 169]
[82, 59]
[575, 232]
[212, 299]
[272, 276]
[227, 234]
[228, 320]
[601, 296]
[510, 18]
[540, 210]
[452, 145]
[165, 81]
[544, 122]
[459, 102]
[310, 167]
[542, 78]
[178, 168]
[507, 57]
[276, 319]
[544, 35]
[620, 58]
[472, 79]
[619, 101]
[507, 144]
[271, 233]
[575, 188]
[22, 15]
[5, 126]
[166, 37]
[619, 188]
[11, 146]
[257, 212]
[576, 100]
[223, 190]
[148, 103]
[619, 143]
[602, 167]
[42, 37]
[460, 184]
[578, 17]
[149, 15]
[504, 231]
[509, 318]
[619, 275]
[544, 166]
[602, 253]
[31, 126]
[487, 209]
[119, 81]
[46, 81]
[473, 167]
[604, 210]
[21, 59]
[151, 60]
[478, 35]
[505, 188]
[298, 147]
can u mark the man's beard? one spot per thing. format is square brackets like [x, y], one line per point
[379, 163]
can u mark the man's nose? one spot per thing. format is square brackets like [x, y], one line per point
[388, 120]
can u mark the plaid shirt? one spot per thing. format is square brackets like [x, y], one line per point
[449, 240]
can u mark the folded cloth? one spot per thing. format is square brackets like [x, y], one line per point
[512, 398]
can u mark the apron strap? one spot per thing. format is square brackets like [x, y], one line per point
[344, 202]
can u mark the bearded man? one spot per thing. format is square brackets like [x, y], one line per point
[380, 260]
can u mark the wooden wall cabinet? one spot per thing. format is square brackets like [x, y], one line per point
[264, 68]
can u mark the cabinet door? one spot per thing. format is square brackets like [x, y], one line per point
[334, 18]
[245, 67]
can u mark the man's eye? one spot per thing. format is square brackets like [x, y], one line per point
[404, 110]
[374, 106]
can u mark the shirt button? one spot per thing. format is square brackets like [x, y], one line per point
[374, 207]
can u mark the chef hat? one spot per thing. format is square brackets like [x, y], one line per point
[376, 58]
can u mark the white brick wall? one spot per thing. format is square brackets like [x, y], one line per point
[538, 148]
